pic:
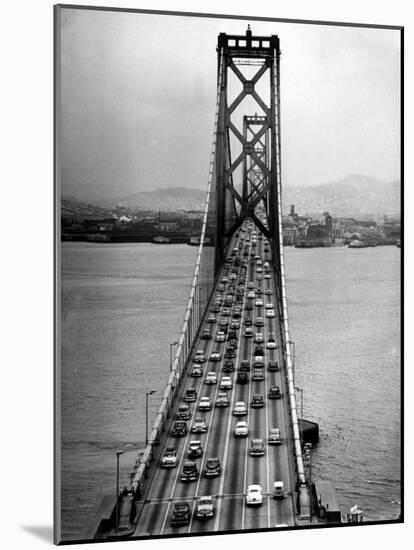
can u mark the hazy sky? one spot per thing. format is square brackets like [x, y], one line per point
[138, 100]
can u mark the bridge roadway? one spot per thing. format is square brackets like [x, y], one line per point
[239, 469]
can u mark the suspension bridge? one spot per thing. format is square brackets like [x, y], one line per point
[226, 451]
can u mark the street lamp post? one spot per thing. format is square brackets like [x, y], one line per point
[146, 414]
[292, 347]
[301, 412]
[171, 354]
[118, 454]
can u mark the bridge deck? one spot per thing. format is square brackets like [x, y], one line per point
[239, 469]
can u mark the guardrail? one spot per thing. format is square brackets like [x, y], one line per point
[199, 295]
[287, 342]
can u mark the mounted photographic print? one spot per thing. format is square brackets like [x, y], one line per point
[228, 274]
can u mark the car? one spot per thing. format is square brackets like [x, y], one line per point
[270, 313]
[240, 408]
[242, 377]
[273, 366]
[230, 353]
[250, 285]
[237, 314]
[258, 362]
[257, 401]
[184, 412]
[259, 322]
[206, 334]
[268, 292]
[241, 429]
[228, 365]
[226, 383]
[232, 344]
[196, 371]
[179, 428]
[248, 306]
[223, 324]
[199, 426]
[189, 471]
[267, 276]
[250, 295]
[278, 491]
[169, 458]
[215, 356]
[232, 335]
[235, 325]
[222, 400]
[180, 514]
[259, 290]
[259, 351]
[248, 322]
[258, 338]
[205, 507]
[224, 280]
[271, 344]
[259, 303]
[274, 437]
[269, 305]
[226, 312]
[244, 365]
[211, 378]
[212, 319]
[190, 395]
[257, 447]
[204, 404]
[248, 333]
[274, 392]
[199, 357]
[254, 495]
[195, 449]
[258, 375]
[220, 336]
[212, 468]
[259, 277]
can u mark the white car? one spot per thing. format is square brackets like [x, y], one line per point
[220, 337]
[271, 344]
[259, 303]
[269, 305]
[240, 408]
[204, 404]
[267, 276]
[215, 356]
[241, 429]
[254, 495]
[250, 295]
[258, 338]
[211, 378]
[270, 313]
[226, 383]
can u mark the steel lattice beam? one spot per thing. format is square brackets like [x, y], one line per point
[253, 148]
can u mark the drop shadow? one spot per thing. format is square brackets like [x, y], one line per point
[43, 532]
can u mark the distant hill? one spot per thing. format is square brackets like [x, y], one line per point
[174, 198]
[354, 195]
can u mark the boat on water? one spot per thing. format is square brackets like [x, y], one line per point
[195, 241]
[356, 244]
[362, 244]
[160, 239]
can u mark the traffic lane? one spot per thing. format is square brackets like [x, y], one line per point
[257, 473]
[232, 506]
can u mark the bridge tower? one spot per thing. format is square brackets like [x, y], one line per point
[247, 161]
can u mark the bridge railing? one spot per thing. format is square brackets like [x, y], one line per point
[202, 285]
[287, 342]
